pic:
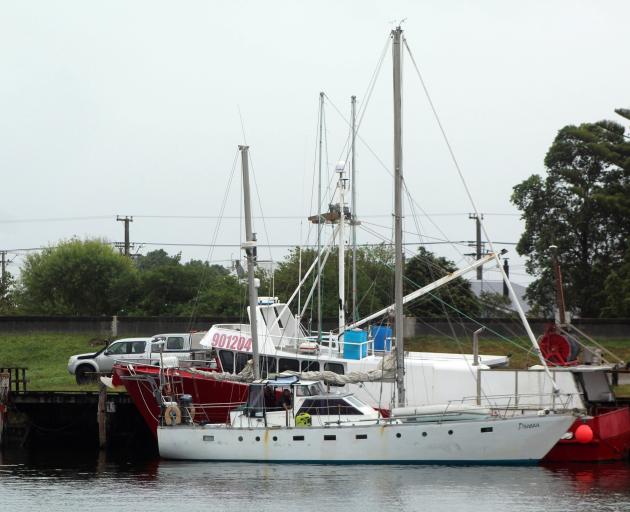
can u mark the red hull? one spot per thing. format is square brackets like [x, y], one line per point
[222, 396]
[611, 439]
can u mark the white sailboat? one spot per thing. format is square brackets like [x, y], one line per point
[312, 430]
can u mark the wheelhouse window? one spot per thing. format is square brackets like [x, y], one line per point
[241, 361]
[227, 360]
[309, 366]
[334, 367]
[288, 364]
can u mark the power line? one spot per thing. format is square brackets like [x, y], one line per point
[229, 217]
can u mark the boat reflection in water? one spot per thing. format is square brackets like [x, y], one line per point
[109, 482]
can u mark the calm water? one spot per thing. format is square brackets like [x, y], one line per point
[64, 482]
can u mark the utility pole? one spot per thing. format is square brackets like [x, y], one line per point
[506, 269]
[559, 290]
[4, 266]
[126, 220]
[477, 241]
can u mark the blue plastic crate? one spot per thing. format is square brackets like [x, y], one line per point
[355, 344]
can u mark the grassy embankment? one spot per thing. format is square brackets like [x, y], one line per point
[46, 355]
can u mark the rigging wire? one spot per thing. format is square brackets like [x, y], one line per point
[213, 244]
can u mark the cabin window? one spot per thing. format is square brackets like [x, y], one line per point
[309, 366]
[330, 438]
[361, 436]
[241, 361]
[328, 407]
[227, 360]
[298, 438]
[334, 367]
[175, 343]
[288, 364]
[302, 391]
[486, 429]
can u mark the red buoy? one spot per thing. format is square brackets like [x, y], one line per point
[584, 434]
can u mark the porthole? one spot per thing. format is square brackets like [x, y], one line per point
[398, 434]
[240, 438]
[275, 438]
[424, 434]
[257, 438]
[450, 432]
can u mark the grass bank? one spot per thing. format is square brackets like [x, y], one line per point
[46, 355]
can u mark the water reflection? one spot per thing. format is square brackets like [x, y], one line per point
[98, 482]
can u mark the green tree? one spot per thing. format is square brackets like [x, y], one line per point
[581, 206]
[374, 280]
[495, 305]
[617, 288]
[424, 268]
[168, 287]
[77, 277]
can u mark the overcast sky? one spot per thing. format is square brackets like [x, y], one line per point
[137, 107]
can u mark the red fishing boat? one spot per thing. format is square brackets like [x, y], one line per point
[153, 391]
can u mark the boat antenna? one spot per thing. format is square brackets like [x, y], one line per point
[250, 250]
[398, 180]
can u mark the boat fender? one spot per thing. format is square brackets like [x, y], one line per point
[172, 415]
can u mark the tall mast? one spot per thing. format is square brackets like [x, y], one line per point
[398, 180]
[319, 223]
[353, 217]
[342, 249]
[250, 250]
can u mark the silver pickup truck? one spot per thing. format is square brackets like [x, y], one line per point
[184, 346]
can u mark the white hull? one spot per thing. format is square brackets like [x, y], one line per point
[501, 441]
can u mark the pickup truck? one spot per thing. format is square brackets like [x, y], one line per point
[184, 346]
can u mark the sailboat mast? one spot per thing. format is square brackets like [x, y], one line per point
[319, 221]
[342, 251]
[250, 250]
[353, 217]
[398, 180]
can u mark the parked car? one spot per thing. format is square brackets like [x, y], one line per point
[184, 346]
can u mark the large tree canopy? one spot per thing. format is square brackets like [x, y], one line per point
[455, 297]
[582, 206]
[374, 284]
[77, 277]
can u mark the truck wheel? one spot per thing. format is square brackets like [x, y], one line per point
[82, 374]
